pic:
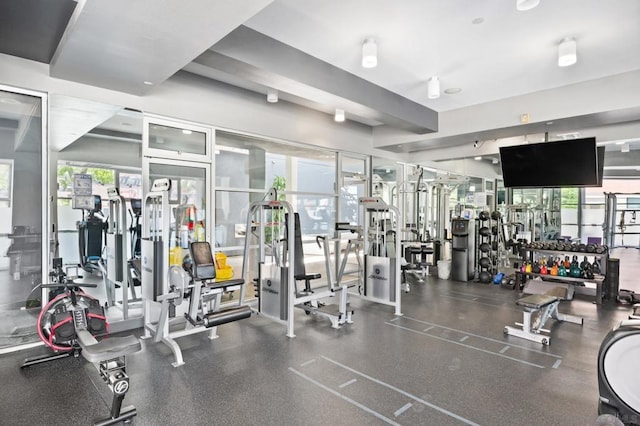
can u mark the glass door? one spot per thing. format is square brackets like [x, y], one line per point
[188, 198]
[23, 229]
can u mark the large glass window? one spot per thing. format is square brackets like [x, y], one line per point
[22, 214]
[6, 182]
[246, 167]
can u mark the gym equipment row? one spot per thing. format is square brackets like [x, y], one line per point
[69, 324]
[167, 287]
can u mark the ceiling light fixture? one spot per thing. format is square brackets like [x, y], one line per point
[567, 52]
[339, 115]
[186, 131]
[495, 161]
[524, 5]
[369, 53]
[624, 148]
[477, 158]
[433, 88]
[148, 83]
[272, 96]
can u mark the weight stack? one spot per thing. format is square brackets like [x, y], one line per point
[613, 278]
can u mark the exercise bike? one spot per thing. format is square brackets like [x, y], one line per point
[618, 374]
[69, 324]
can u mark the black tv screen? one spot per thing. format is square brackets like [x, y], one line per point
[551, 164]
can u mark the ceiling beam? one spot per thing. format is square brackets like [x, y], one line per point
[268, 62]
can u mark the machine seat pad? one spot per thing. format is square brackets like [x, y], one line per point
[415, 250]
[306, 277]
[112, 347]
[226, 283]
[427, 250]
[536, 301]
[136, 264]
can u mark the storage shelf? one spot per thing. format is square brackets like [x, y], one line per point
[597, 279]
[560, 252]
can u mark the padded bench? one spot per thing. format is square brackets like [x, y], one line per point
[544, 307]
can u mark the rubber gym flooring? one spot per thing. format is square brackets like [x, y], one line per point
[445, 362]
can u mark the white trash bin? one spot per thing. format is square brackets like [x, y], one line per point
[444, 269]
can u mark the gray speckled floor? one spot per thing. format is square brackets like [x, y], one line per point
[446, 361]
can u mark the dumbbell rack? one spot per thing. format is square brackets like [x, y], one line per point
[484, 248]
[532, 254]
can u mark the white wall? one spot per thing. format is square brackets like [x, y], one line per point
[198, 99]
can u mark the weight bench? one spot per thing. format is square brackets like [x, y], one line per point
[547, 307]
[108, 356]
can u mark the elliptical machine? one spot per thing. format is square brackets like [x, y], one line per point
[91, 235]
[618, 373]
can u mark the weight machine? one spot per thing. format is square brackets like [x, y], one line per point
[281, 268]
[117, 266]
[382, 253]
[167, 287]
[619, 221]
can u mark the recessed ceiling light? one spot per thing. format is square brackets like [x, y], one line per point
[339, 115]
[148, 83]
[477, 21]
[621, 142]
[549, 123]
[452, 90]
[186, 131]
[477, 158]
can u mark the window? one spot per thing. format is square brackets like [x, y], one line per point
[246, 167]
[6, 182]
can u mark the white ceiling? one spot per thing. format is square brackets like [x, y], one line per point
[509, 54]
[310, 51]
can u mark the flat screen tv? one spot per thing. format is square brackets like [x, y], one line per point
[551, 164]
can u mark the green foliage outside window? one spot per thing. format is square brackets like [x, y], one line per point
[279, 183]
[100, 176]
[569, 198]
